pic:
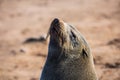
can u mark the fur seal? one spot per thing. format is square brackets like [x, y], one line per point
[69, 56]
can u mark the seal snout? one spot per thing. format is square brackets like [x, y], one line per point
[55, 27]
[56, 21]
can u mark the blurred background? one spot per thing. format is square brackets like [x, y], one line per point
[23, 21]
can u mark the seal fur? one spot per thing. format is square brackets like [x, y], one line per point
[69, 56]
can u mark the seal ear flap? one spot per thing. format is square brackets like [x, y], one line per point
[84, 53]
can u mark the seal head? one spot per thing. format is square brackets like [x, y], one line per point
[67, 39]
[69, 56]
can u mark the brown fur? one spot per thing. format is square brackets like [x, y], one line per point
[69, 56]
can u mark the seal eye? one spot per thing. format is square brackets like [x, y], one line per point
[84, 54]
[73, 39]
[74, 36]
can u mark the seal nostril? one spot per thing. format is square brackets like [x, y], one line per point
[56, 21]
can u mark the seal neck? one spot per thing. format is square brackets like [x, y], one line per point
[55, 50]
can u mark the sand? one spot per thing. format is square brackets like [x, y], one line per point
[20, 20]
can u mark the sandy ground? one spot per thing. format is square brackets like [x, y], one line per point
[97, 20]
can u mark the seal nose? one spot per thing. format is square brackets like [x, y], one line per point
[55, 26]
[56, 21]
